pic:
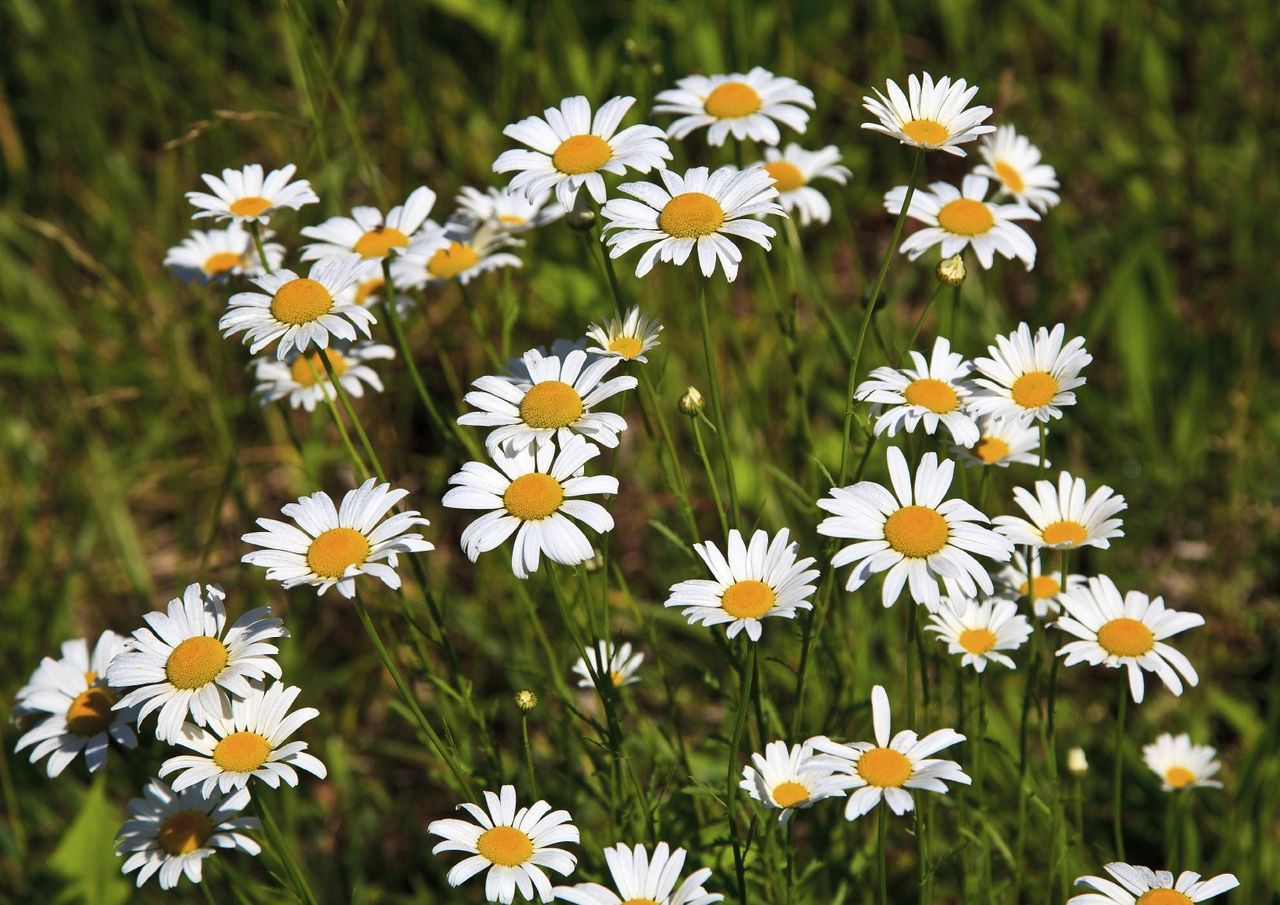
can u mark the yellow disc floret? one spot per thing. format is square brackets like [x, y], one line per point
[307, 370]
[533, 496]
[926, 131]
[748, 599]
[1164, 897]
[550, 405]
[90, 711]
[1179, 777]
[1011, 178]
[333, 551]
[249, 206]
[1065, 534]
[626, 346]
[916, 531]
[884, 767]
[184, 832]
[455, 259]
[977, 641]
[789, 794]
[1034, 389]
[221, 262]
[377, 242]
[991, 450]
[935, 395]
[505, 846]
[300, 301]
[1125, 637]
[1042, 587]
[786, 175]
[732, 100]
[242, 752]
[581, 154]
[691, 215]
[966, 217]
[196, 662]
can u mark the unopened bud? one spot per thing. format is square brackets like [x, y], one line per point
[595, 563]
[526, 700]
[691, 403]
[582, 217]
[1077, 764]
[951, 270]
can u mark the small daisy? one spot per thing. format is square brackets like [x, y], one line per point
[1028, 378]
[305, 382]
[330, 546]
[1014, 162]
[512, 212]
[1001, 442]
[187, 660]
[245, 196]
[1128, 631]
[559, 401]
[627, 337]
[453, 252]
[1142, 886]
[889, 767]
[757, 580]
[1062, 518]
[792, 778]
[622, 665]
[699, 210]
[931, 393]
[209, 256]
[980, 631]
[1045, 587]
[935, 117]
[246, 741]
[514, 846]
[71, 698]
[641, 879]
[300, 311]
[171, 833]
[1182, 765]
[367, 232]
[530, 494]
[749, 106]
[792, 171]
[912, 533]
[959, 218]
[571, 149]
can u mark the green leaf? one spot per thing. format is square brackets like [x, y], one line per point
[86, 857]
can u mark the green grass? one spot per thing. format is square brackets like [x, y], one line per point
[133, 457]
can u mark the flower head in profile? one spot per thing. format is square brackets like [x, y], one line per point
[454, 251]
[935, 116]
[367, 232]
[304, 381]
[639, 878]
[1181, 764]
[793, 171]
[980, 632]
[1002, 441]
[617, 664]
[1018, 581]
[628, 337]
[1133, 885]
[748, 106]
[1029, 378]
[215, 255]
[1014, 163]
[1064, 517]
[962, 218]
[247, 196]
[506, 209]
[930, 394]
[790, 778]
[515, 846]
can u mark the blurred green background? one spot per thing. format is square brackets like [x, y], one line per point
[133, 457]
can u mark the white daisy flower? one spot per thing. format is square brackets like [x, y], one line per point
[1128, 632]
[1142, 886]
[980, 631]
[1180, 764]
[559, 400]
[931, 393]
[959, 218]
[912, 533]
[300, 311]
[793, 169]
[1045, 587]
[330, 546]
[530, 494]
[511, 211]
[627, 337]
[514, 846]
[640, 879]
[187, 660]
[247, 740]
[757, 580]
[699, 210]
[1001, 442]
[935, 116]
[367, 232]
[1029, 378]
[618, 663]
[209, 256]
[71, 698]
[171, 833]
[246, 196]
[304, 381]
[792, 777]
[747, 105]
[887, 768]
[1014, 162]
[454, 251]
[1062, 518]
[571, 149]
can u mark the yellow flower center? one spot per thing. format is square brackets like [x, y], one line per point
[748, 599]
[1042, 587]
[511, 220]
[1034, 389]
[732, 100]
[221, 262]
[1125, 637]
[1011, 178]
[935, 395]
[505, 846]
[196, 662]
[1179, 777]
[533, 496]
[377, 242]
[691, 215]
[449, 262]
[626, 346]
[90, 712]
[916, 531]
[786, 175]
[991, 449]
[242, 752]
[300, 301]
[641, 902]
[308, 370]
[334, 550]
[1164, 897]
[581, 154]
[789, 794]
[926, 131]
[884, 767]
[366, 289]
[1064, 533]
[617, 678]
[550, 404]
[249, 206]
[184, 832]
[977, 640]
[966, 217]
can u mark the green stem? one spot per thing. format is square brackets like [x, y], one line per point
[528, 755]
[915, 331]
[297, 879]
[256, 232]
[711, 476]
[358, 462]
[1118, 789]
[717, 406]
[881, 857]
[345, 400]
[732, 769]
[482, 335]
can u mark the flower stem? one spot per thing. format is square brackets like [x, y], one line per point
[1118, 798]
[356, 460]
[732, 771]
[345, 400]
[256, 232]
[882, 859]
[711, 476]
[297, 879]
[915, 331]
[717, 406]
[528, 754]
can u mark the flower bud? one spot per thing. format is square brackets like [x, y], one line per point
[691, 403]
[951, 270]
[526, 700]
[582, 217]
[1077, 764]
